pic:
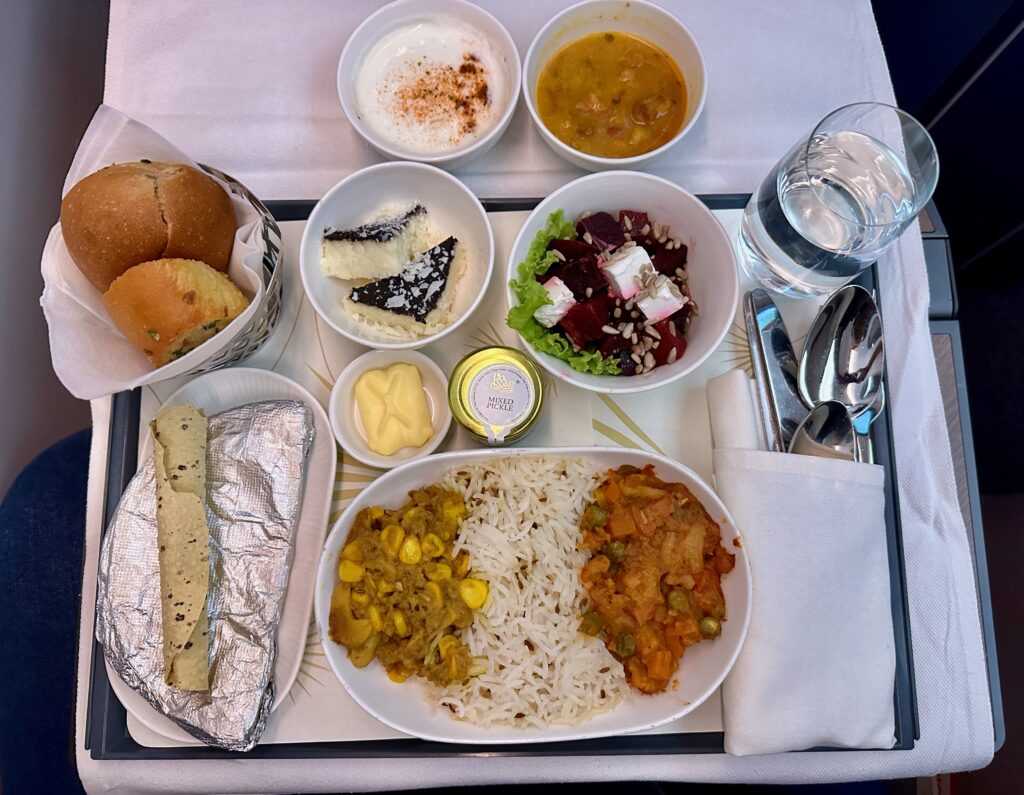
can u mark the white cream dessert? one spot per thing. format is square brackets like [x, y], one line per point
[432, 86]
[381, 247]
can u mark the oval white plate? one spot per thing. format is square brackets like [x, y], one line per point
[407, 707]
[215, 392]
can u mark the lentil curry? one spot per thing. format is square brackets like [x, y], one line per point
[403, 594]
[654, 576]
[612, 95]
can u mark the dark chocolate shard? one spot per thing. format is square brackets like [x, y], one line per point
[417, 289]
[378, 231]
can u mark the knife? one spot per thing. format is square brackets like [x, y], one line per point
[775, 370]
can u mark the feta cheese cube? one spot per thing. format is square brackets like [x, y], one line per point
[561, 302]
[627, 270]
[664, 299]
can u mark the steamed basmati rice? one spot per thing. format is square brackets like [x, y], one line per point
[522, 533]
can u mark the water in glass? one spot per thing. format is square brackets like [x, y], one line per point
[826, 212]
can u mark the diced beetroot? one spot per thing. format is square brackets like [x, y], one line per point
[603, 230]
[670, 341]
[666, 260]
[615, 346]
[572, 249]
[580, 274]
[626, 362]
[637, 221]
[582, 324]
[682, 317]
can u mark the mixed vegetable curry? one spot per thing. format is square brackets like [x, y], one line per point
[654, 577]
[403, 592]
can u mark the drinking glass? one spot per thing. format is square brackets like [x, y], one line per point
[837, 199]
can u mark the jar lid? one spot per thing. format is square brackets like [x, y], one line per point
[496, 394]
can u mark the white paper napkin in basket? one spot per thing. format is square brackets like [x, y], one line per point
[90, 356]
[818, 664]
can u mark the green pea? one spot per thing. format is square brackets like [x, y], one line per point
[676, 601]
[616, 551]
[592, 623]
[709, 627]
[625, 645]
[595, 515]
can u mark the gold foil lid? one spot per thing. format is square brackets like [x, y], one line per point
[496, 394]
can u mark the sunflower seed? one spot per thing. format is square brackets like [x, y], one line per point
[627, 329]
[639, 369]
[587, 238]
[662, 239]
[672, 328]
[632, 338]
[558, 254]
[680, 273]
[617, 313]
[610, 330]
[589, 292]
[628, 223]
[628, 237]
[646, 230]
[649, 360]
[635, 357]
[629, 304]
[653, 332]
[672, 355]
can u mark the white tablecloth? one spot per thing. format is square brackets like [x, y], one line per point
[250, 87]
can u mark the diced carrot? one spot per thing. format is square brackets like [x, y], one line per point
[674, 639]
[659, 664]
[620, 523]
[612, 492]
[724, 561]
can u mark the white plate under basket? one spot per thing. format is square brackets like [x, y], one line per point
[218, 391]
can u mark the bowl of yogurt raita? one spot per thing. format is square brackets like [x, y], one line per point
[434, 81]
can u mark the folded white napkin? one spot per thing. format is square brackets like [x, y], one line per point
[818, 664]
[91, 357]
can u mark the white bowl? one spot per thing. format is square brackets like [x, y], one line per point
[401, 13]
[454, 210]
[640, 18]
[344, 412]
[711, 264]
[408, 707]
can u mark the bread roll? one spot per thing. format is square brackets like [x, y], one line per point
[169, 306]
[129, 213]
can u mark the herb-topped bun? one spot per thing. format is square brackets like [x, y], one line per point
[169, 306]
[129, 213]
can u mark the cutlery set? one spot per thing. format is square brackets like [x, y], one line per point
[824, 403]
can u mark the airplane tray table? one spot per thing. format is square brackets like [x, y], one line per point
[112, 733]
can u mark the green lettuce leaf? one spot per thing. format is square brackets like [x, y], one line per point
[531, 295]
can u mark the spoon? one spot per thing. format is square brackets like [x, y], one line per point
[844, 359]
[827, 432]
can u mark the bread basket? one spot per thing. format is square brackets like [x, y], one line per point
[258, 329]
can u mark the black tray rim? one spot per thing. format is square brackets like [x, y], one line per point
[106, 733]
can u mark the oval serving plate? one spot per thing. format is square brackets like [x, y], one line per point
[408, 708]
[216, 392]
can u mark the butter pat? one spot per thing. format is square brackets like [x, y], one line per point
[393, 409]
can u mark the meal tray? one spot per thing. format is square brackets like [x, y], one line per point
[106, 731]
